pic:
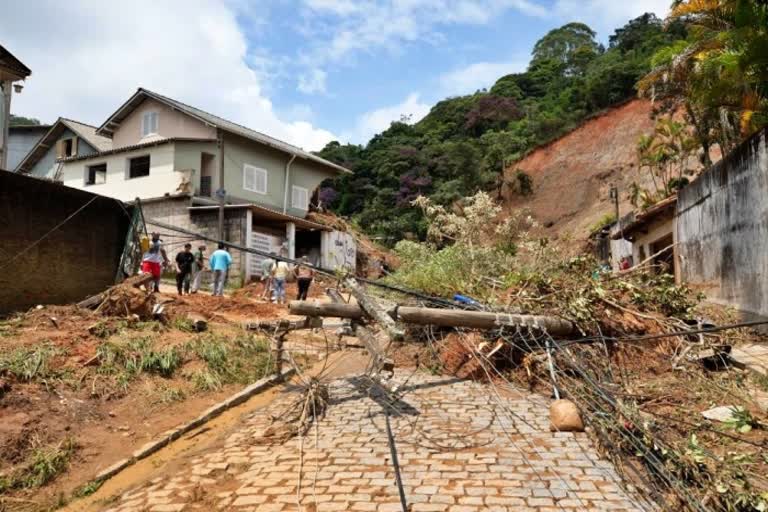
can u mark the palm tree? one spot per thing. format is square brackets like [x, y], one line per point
[719, 75]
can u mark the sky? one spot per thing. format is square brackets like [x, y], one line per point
[304, 71]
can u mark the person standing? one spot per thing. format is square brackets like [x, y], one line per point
[197, 268]
[184, 261]
[153, 261]
[266, 275]
[304, 275]
[280, 273]
[220, 262]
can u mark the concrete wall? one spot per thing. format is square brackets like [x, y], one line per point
[188, 155]
[20, 142]
[722, 229]
[162, 179]
[171, 123]
[76, 260]
[46, 166]
[175, 211]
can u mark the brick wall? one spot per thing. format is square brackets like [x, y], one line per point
[175, 211]
[43, 263]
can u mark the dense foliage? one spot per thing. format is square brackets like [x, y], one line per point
[23, 121]
[464, 143]
[718, 73]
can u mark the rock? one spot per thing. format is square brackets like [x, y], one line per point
[723, 413]
[564, 416]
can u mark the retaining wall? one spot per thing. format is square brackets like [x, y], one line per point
[43, 261]
[722, 229]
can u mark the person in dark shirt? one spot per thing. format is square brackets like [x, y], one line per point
[184, 261]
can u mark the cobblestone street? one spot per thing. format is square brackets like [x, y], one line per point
[462, 447]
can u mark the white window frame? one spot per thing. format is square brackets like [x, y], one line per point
[87, 170]
[256, 170]
[305, 191]
[144, 117]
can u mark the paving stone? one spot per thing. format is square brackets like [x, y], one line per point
[508, 462]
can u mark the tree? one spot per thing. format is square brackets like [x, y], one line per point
[719, 74]
[23, 121]
[573, 46]
[665, 154]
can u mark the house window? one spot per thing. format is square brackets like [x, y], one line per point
[149, 124]
[138, 167]
[66, 148]
[299, 198]
[254, 179]
[96, 174]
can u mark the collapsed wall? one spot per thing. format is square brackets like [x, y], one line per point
[58, 244]
[722, 229]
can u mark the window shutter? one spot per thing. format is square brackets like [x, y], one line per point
[248, 178]
[74, 146]
[59, 149]
[299, 198]
[261, 182]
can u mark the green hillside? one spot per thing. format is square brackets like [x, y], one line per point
[462, 145]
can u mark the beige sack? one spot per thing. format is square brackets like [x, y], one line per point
[564, 417]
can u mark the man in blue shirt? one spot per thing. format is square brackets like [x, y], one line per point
[220, 261]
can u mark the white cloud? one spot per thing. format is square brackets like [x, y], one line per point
[365, 26]
[312, 82]
[479, 75]
[376, 121]
[94, 55]
[606, 15]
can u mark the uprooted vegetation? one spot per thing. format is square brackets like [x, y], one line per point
[80, 388]
[640, 382]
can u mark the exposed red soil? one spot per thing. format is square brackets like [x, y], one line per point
[105, 423]
[572, 175]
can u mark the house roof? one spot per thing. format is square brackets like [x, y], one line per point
[132, 147]
[29, 128]
[12, 68]
[141, 94]
[82, 130]
[634, 222]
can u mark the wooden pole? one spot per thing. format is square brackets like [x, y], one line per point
[442, 317]
[380, 360]
[375, 310]
[315, 308]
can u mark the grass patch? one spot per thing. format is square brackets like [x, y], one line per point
[28, 364]
[43, 465]
[136, 356]
[169, 394]
[241, 359]
[183, 324]
[88, 489]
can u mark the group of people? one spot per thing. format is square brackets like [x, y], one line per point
[189, 266]
[274, 275]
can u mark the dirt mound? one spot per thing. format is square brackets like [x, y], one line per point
[458, 358]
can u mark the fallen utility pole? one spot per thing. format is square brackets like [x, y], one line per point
[375, 311]
[444, 317]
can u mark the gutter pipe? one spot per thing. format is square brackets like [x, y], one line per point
[287, 180]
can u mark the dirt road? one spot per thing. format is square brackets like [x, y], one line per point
[463, 446]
